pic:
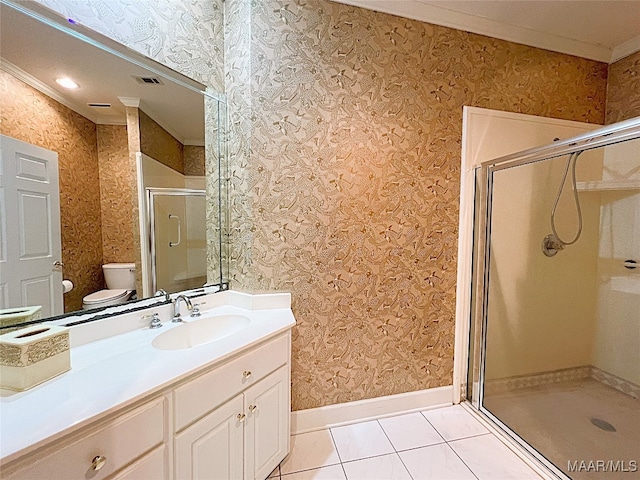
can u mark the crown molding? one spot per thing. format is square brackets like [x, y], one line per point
[45, 89]
[418, 10]
[625, 49]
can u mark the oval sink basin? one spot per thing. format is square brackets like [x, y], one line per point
[198, 332]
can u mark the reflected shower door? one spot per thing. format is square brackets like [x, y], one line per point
[561, 345]
[178, 239]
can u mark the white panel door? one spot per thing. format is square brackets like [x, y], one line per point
[29, 227]
[267, 431]
[211, 449]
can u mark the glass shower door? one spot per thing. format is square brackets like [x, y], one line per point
[178, 239]
[561, 309]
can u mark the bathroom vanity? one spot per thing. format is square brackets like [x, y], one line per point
[130, 410]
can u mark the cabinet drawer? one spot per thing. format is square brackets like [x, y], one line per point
[151, 466]
[201, 395]
[119, 441]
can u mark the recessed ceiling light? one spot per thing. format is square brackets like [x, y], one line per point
[66, 82]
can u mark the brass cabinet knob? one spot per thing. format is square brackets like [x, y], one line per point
[246, 373]
[98, 462]
[253, 408]
[241, 417]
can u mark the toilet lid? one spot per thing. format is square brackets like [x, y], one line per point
[104, 296]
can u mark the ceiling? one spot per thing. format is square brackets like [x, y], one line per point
[603, 30]
[38, 54]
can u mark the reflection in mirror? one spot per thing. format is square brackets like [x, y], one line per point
[103, 184]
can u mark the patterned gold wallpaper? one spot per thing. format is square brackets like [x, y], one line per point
[623, 89]
[116, 194]
[159, 144]
[33, 117]
[346, 129]
[194, 160]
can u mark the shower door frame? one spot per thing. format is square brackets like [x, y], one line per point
[151, 193]
[473, 365]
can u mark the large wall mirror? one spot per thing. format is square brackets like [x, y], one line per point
[110, 177]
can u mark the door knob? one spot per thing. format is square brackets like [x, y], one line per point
[58, 264]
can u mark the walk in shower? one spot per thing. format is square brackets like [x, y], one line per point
[555, 331]
[177, 238]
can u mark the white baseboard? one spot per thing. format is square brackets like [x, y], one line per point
[373, 408]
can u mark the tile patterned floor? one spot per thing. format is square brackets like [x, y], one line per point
[445, 443]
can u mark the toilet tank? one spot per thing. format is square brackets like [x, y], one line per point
[120, 275]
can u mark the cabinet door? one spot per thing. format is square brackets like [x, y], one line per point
[212, 447]
[267, 431]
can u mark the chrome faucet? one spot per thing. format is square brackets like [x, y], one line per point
[177, 318]
[163, 293]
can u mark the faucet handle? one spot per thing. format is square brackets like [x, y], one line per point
[155, 320]
[195, 311]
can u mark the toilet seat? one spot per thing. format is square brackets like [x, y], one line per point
[106, 297]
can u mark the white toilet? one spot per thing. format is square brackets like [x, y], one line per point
[121, 283]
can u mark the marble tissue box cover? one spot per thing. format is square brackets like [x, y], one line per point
[32, 355]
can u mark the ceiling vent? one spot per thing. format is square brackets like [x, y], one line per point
[148, 80]
[99, 105]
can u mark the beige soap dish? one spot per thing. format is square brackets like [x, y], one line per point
[32, 355]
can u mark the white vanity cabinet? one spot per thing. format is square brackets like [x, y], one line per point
[229, 420]
[244, 437]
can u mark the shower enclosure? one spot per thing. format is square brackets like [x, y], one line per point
[178, 240]
[554, 355]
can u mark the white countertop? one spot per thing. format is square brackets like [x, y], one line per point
[113, 372]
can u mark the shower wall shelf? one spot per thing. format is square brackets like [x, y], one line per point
[608, 185]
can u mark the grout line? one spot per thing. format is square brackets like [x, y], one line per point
[370, 456]
[395, 449]
[421, 446]
[335, 445]
[433, 426]
[385, 434]
[470, 436]
[450, 447]
[310, 469]
[465, 463]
